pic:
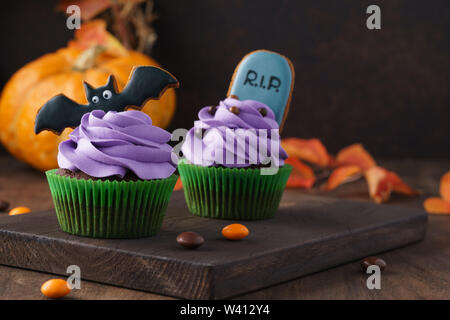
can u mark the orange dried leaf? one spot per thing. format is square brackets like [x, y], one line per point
[91, 8]
[355, 154]
[382, 183]
[440, 205]
[340, 176]
[310, 150]
[94, 33]
[398, 185]
[302, 176]
[379, 189]
[88, 8]
[178, 185]
[437, 205]
[445, 186]
[91, 33]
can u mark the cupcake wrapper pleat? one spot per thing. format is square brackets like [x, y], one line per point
[110, 209]
[231, 193]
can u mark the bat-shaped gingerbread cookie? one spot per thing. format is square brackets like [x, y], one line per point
[145, 83]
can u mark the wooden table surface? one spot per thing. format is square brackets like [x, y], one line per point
[418, 271]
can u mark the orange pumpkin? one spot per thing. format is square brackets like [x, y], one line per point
[63, 72]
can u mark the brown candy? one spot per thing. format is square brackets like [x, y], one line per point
[370, 261]
[4, 205]
[263, 111]
[234, 110]
[212, 110]
[189, 239]
[233, 96]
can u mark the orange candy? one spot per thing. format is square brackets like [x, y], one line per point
[235, 231]
[19, 210]
[55, 288]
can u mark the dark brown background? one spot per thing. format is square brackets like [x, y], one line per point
[388, 89]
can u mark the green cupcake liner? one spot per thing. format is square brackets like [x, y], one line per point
[110, 209]
[232, 193]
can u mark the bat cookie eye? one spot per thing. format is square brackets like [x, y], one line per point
[95, 99]
[107, 94]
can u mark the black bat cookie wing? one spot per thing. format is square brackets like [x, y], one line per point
[59, 113]
[147, 83]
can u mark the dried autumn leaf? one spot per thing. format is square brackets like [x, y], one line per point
[437, 205]
[88, 8]
[310, 150]
[355, 154]
[302, 176]
[178, 185]
[91, 8]
[440, 205]
[382, 183]
[379, 189]
[398, 185]
[445, 186]
[94, 33]
[341, 175]
[90, 33]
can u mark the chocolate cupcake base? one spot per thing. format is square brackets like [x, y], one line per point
[232, 193]
[110, 209]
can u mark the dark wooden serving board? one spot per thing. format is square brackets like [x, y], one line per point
[308, 234]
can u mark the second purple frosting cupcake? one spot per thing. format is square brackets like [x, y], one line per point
[235, 134]
[234, 166]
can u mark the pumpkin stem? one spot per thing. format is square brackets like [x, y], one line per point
[88, 58]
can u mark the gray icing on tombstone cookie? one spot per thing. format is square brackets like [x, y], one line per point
[145, 83]
[267, 77]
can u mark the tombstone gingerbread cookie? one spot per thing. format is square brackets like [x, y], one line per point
[234, 163]
[268, 77]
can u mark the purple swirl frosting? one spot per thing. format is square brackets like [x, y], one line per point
[115, 143]
[235, 134]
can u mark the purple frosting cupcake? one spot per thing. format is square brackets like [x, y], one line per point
[235, 134]
[115, 177]
[117, 143]
[229, 152]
